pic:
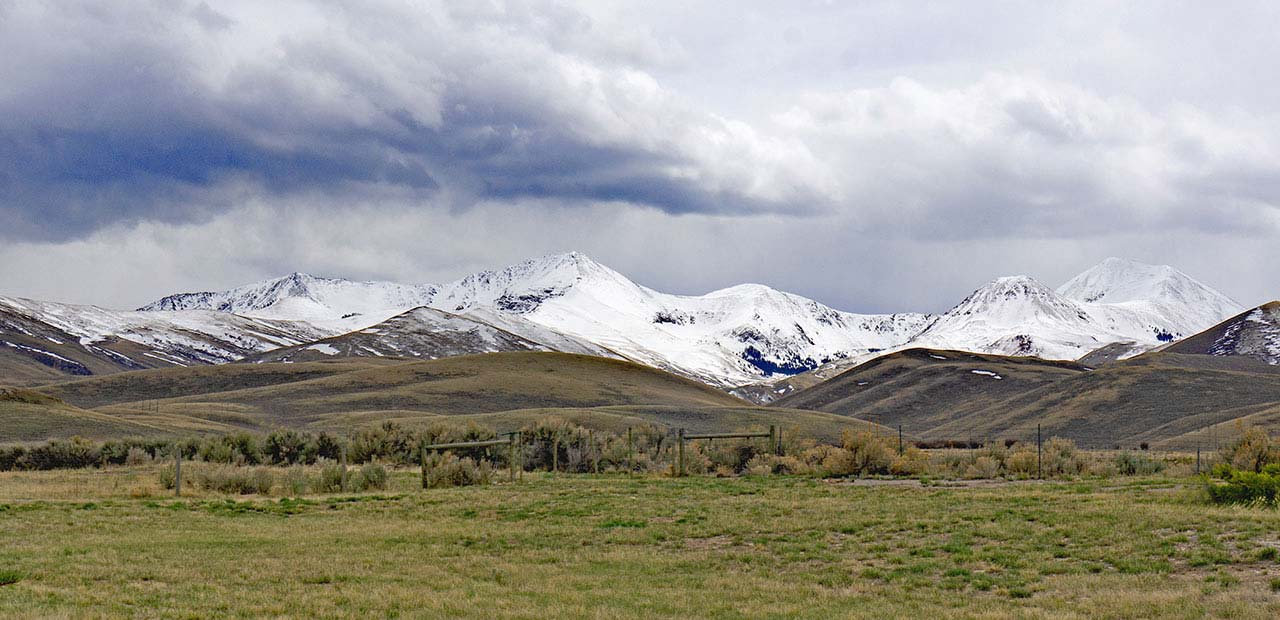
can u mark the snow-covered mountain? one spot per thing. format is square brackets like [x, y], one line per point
[1115, 310]
[334, 304]
[1116, 301]
[725, 337]
[569, 302]
[81, 340]
[424, 333]
[1254, 333]
[1170, 298]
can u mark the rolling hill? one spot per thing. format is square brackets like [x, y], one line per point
[27, 416]
[502, 390]
[1159, 398]
[924, 389]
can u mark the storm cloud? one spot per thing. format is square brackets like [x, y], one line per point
[876, 155]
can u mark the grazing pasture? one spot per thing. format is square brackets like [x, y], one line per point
[112, 542]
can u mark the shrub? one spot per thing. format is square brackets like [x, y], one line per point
[449, 471]
[871, 453]
[1131, 464]
[287, 447]
[1245, 487]
[167, 477]
[838, 462]
[330, 478]
[371, 476]
[1252, 451]
[296, 481]
[61, 454]
[137, 456]
[983, 467]
[1022, 463]
[234, 479]
[912, 462]
[1060, 458]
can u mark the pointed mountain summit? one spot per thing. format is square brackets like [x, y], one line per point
[1016, 315]
[1184, 304]
[1116, 301]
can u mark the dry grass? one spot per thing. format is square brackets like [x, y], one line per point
[612, 546]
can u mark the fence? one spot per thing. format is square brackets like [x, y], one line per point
[513, 441]
[774, 441]
[1199, 448]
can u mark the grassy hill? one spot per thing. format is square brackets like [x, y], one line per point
[503, 390]
[147, 385]
[922, 389]
[1163, 399]
[27, 415]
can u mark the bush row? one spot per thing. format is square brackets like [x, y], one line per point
[261, 480]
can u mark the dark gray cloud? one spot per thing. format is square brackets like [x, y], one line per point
[875, 155]
[159, 111]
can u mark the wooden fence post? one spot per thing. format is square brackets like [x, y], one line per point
[899, 440]
[555, 451]
[631, 463]
[422, 456]
[342, 464]
[680, 471]
[177, 471]
[515, 441]
[1039, 472]
[773, 438]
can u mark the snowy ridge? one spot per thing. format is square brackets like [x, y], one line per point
[172, 337]
[334, 304]
[1116, 301]
[424, 333]
[568, 302]
[1168, 297]
[725, 337]
[1254, 333]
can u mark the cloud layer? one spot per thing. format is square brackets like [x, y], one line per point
[874, 156]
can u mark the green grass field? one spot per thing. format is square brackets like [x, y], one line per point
[104, 543]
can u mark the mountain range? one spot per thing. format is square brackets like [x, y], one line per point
[746, 334]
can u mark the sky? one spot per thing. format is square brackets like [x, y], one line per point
[875, 156]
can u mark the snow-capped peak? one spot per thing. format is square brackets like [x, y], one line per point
[1176, 301]
[522, 287]
[1119, 280]
[1017, 315]
[1017, 298]
[339, 304]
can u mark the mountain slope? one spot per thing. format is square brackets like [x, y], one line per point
[337, 394]
[1018, 316]
[335, 304]
[45, 340]
[924, 389]
[26, 415]
[420, 333]
[1254, 334]
[569, 302]
[724, 337]
[1160, 398]
[1116, 301]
